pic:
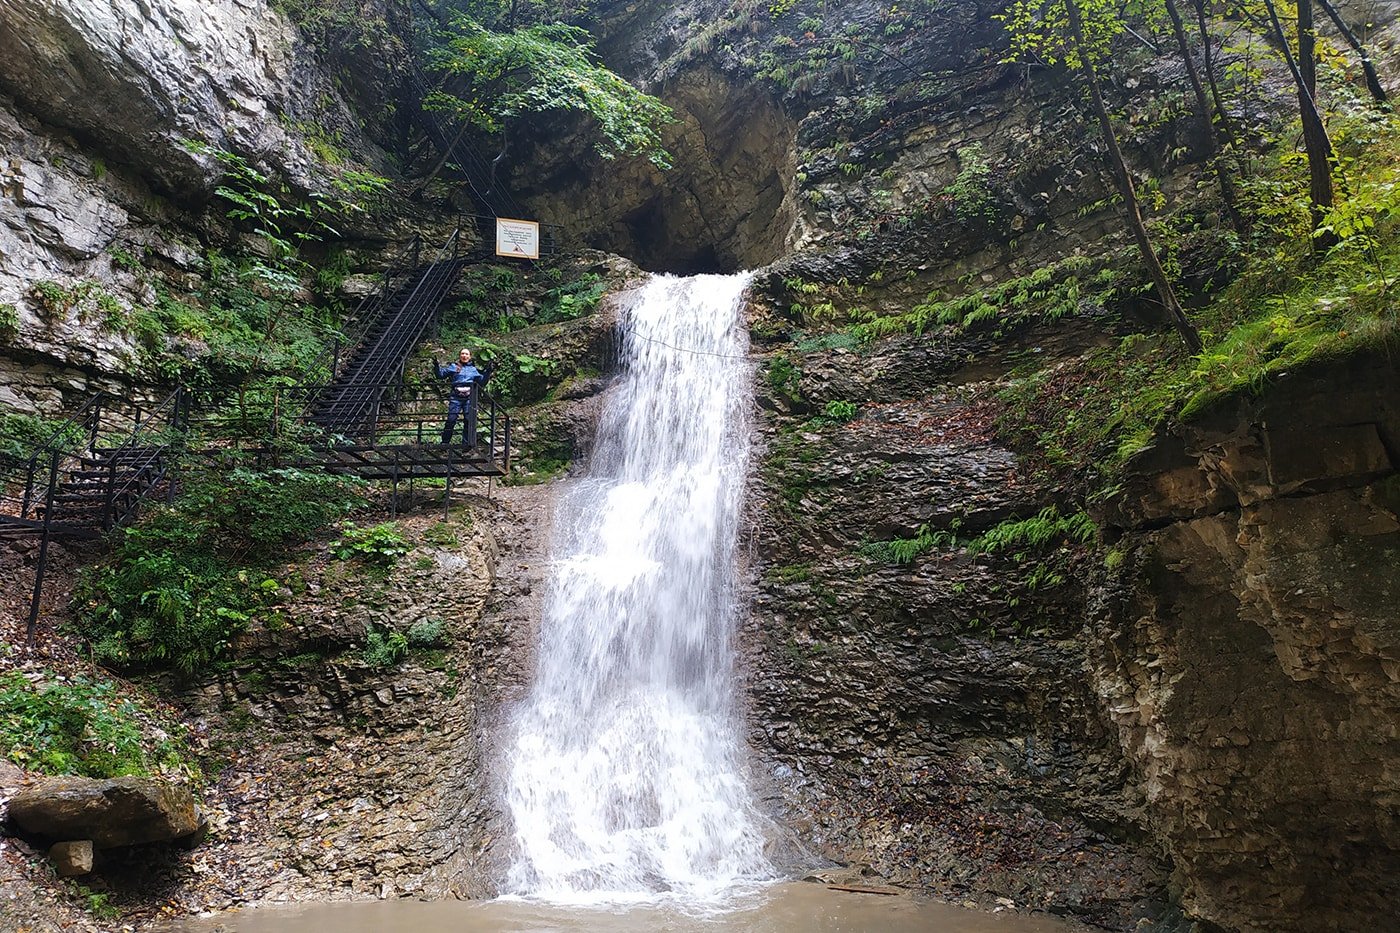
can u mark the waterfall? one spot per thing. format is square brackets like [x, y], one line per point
[624, 768]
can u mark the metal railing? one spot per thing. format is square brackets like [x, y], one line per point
[143, 458]
[350, 401]
[23, 490]
[400, 412]
[80, 483]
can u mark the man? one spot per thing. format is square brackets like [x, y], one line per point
[466, 380]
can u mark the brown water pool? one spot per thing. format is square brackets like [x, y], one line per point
[785, 908]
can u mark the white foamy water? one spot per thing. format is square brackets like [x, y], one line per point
[625, 771]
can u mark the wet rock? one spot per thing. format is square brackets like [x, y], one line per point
[117, 812]
[144, 78]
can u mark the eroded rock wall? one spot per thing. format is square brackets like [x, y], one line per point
[100, 195]
[1247, 648]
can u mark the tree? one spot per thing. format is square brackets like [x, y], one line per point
[1208, 60]
[1054, 31]
[1203, 113]
[494, 78]
[1316, 143]
[1373, 81]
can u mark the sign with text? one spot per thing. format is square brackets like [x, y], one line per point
[517, 238]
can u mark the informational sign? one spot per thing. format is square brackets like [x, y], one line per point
[517, 238]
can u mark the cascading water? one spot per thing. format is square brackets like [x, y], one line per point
[625, 776]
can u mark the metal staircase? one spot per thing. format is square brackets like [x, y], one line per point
[368, 419]
[90, 476]
[351, 403]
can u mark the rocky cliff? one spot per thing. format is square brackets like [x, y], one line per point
[1246, 643]
[104, 197]
[951, 685]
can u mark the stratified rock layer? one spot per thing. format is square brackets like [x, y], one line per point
[1248, 650]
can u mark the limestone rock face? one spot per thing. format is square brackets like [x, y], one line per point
[141, 78]
[117, 812]
[97, 187]
[728, 203]
[1249, 651]
[929, 720]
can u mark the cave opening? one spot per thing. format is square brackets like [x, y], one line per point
[726, 205]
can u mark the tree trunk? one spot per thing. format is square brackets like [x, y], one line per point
[1226, 125]
[1315, 141]
[1227, 188]
[1373, 81]
[1165, 293]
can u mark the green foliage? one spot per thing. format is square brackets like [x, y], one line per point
[86, 298]
[97, 903]
[971, 191]
[125, 259]
[574, 299]
[1049, 293]
[20, 434]
[9, 321]
[381, 545]
[80, 725]
[345, 24]
[1035, 533]
[784, 377]
[1039, 30]
[834, 340]
[425, 633]
[495, 77]
[52, 298]
[182, 582]
[1026, 536]
[839, 410]
[384, 647]
[267, 206]
[907, 550]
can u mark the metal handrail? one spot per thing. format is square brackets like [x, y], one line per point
[359, 319]
[148, 457]
[396, 412]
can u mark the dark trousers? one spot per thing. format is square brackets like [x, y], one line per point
[464, 408]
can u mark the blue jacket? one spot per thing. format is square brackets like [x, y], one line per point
[462, 374]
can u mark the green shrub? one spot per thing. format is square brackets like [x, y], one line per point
[971, 191]
[425, 633]
[9, 321]
[1045, 528]
[384, 648]
[81, 726]
[839, 410]
[182, 582]
[381, 544]
[574, 299]
[20, 434]
[906, 550]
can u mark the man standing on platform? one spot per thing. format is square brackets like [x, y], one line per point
[466, 381]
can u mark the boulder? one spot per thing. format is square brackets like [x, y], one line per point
[71, 859]
[117, 812]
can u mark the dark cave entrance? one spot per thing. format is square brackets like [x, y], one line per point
[725, 206]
